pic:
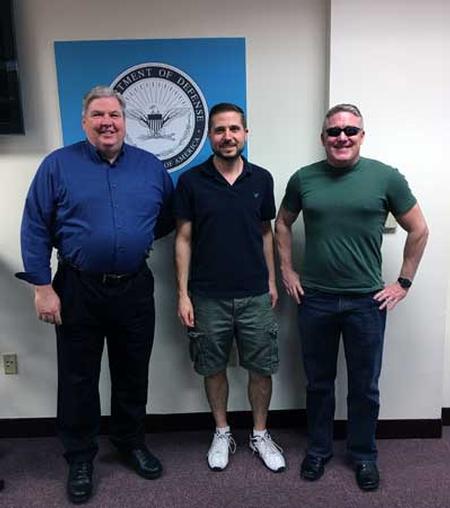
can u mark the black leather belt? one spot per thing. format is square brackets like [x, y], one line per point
[108, 279]
[115, 278]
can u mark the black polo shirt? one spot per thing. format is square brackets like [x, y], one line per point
[227, 248]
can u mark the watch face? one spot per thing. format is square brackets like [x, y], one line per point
[404, 283]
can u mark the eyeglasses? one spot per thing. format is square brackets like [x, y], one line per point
[349, 131]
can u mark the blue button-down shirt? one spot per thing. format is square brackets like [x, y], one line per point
[101, 217]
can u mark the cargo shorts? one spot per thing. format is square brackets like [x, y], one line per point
[218, 321]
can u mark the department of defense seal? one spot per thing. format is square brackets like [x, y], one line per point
[166, 112]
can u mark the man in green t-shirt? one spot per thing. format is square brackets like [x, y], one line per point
[345, 200]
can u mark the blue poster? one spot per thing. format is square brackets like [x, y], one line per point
[168, 85]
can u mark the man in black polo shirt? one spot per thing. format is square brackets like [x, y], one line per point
[224, 249]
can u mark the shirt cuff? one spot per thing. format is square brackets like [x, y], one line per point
[36, 278]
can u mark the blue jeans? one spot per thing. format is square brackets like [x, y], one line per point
[323, 318]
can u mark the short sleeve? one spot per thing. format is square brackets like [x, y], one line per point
[292, 199]
[268, 210]
[400, 197]
[183, 202]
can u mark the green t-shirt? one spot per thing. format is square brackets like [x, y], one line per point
[344, 211]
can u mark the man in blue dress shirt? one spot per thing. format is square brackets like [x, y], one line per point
[100, 203]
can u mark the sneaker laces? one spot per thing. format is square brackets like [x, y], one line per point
[230, 442]
[267, 443]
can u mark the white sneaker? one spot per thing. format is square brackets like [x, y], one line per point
[269, 452]
[222, 444]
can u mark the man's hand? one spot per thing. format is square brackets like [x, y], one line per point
[291, 282]
[186, 311]
[390, 296]
[273, 292]
[47, 304]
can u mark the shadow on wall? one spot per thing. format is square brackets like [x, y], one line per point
[289, 383]
[34, 342]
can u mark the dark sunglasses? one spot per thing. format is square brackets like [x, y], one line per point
[349, 131]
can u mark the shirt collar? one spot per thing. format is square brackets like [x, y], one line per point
[96, 156]
[209, 169]
[344, 169]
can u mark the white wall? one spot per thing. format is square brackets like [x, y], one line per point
[446, 357]
[286, 55]
[391, 58]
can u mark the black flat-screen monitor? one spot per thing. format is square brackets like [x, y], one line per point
[11, 119]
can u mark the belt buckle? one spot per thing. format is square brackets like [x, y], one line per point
[111, 277]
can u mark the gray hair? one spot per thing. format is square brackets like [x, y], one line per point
[102, 91]
[342, 108]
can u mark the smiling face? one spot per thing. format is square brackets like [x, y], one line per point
[104, 125]
[227, 135]
[342, 150]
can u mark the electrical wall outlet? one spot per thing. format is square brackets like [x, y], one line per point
[10, 363]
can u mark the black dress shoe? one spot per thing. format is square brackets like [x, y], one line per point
[143, 462]
[367, 475]
[312, 468]
[79, 482]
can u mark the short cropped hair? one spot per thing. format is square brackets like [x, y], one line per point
[343, 108]
[225, 107]
[102, 91]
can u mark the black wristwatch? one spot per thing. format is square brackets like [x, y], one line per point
[404, 282]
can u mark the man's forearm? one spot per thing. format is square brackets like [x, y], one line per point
[183, 249]
[413, 251]
[268, 249]
[415, 225]
[182, 264]
[283, 237]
